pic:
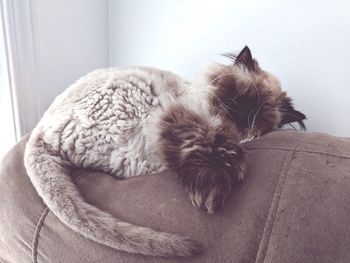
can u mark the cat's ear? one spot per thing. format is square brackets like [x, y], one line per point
[289, 114]
[245, 59]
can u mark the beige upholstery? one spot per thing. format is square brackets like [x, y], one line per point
[294, 206]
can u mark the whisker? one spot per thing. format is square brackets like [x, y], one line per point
[249, 129]
[256, 114]
[229, 74]
[226, 107]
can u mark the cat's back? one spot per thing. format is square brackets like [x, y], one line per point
[125, 83]
[103, 110]
[107, 80]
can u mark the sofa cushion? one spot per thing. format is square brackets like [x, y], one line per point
[293, 206]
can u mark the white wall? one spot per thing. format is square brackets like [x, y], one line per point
[53, 42]
[305, 43]
[71, 40]
[7, 131]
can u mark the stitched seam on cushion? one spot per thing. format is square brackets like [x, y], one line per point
[265, 239]
[36, 234]
[294, 150]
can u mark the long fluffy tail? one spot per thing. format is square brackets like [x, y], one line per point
[50, 177]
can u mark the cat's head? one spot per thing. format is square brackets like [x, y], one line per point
[250, 97]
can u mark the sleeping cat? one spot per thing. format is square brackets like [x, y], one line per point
[138, 120]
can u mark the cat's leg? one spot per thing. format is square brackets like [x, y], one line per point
[207, 158]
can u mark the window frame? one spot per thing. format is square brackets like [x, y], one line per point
[21, 50]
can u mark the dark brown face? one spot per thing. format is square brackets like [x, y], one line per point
[251, 97]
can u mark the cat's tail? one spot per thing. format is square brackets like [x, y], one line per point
[50, 177]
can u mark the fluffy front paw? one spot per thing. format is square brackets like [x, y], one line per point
[210, 197]
[209, 188]
[209, 183]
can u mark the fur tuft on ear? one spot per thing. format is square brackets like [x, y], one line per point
[289, 114]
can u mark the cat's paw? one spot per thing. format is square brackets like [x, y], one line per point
[208, 187]
[211, 197]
